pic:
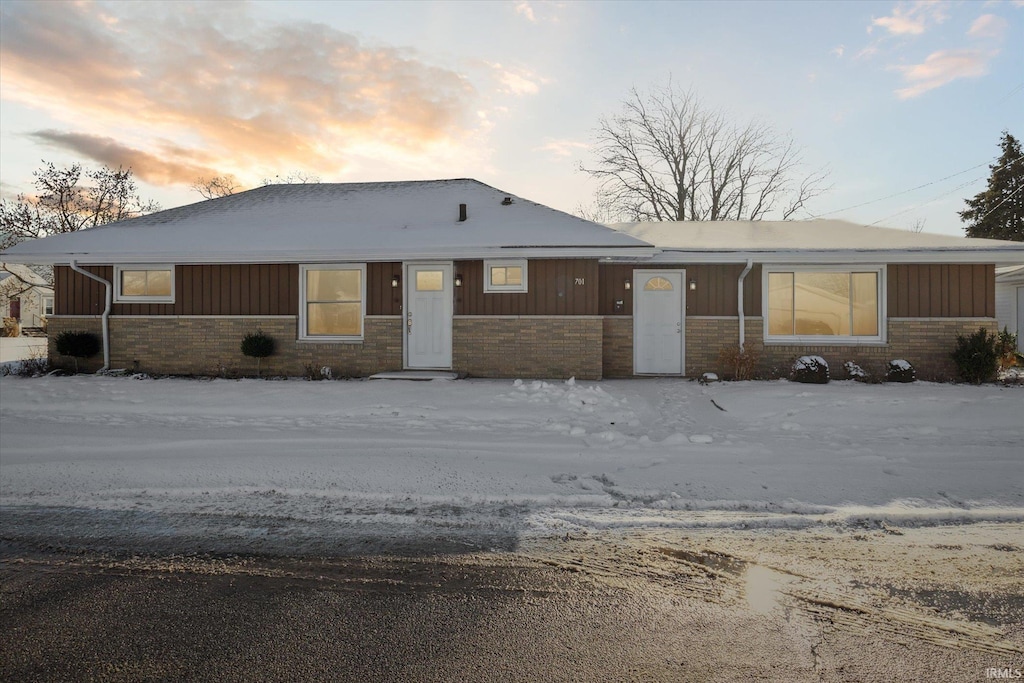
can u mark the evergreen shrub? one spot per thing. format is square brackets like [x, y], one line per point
[258, 345]
[976, 357]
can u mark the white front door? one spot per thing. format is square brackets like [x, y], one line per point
[428, 315]
[658, 299]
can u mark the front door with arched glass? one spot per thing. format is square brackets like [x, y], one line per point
[658, 305]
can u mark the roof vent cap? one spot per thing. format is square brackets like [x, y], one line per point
[506, 201]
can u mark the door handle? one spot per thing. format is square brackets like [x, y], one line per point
[409, 322]
[679, 328]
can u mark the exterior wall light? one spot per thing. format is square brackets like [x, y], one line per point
[693, 285]
[628, 284]
[395, 281]
[458, 280]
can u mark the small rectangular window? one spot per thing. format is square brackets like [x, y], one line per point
[505, 275]
[333, 299]
[144, 284]
[48, 305]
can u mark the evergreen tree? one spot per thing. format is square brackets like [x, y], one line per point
[997, 212]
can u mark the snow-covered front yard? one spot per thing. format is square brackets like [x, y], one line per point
[527, 457]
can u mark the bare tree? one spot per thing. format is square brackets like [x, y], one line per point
[667, 157]
[291, 178]
[71, 199]
[217, 186]
[918, 225]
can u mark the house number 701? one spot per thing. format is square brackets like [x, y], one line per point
[581, 281]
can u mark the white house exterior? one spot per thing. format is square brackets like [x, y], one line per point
[24, 296]
[1010, 301]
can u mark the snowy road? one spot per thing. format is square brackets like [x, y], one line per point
[300, 466]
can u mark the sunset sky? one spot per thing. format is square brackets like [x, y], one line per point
[888, 96]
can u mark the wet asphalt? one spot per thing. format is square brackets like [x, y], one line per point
[92, 618]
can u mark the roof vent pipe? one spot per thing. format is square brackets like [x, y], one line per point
[106, 312]
[462, 213]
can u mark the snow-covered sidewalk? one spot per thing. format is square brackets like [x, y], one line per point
[526, 457]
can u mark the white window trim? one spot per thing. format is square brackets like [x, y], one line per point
[51, 306]
[361, 267]
[495, 289]
[120, 298]
[827, 340]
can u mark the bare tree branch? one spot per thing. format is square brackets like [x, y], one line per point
[70, 199]
[666, 157]
[217, 186]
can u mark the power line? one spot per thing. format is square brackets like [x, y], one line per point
[958, 187]
[934, 199]
[897, 194]
[1005, 199]
[914, 189]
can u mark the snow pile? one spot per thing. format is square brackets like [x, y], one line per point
[257, 459]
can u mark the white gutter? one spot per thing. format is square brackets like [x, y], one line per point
[106, 312]
[739, 303]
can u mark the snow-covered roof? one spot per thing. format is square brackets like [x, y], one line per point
[1010, 274]
[813, 240]
[339, 221]
[23, 274]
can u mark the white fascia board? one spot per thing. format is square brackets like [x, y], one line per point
[997, 256]
[321, 256]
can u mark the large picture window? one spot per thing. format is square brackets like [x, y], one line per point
[823, 304]
[333, 302]
[144, 284]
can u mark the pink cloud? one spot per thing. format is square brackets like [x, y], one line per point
[243, 95]
[940, 68]
[912, 18]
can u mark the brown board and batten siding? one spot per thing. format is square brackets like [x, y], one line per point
[715, 294]
[919, 290]
[228, 289]
[554, 287]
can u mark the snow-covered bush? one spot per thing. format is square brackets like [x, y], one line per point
[810, 370]
[976, 357]
[77, 345]
[900, 370]
[34, 366]
[854, 371]
[318, 372]
[258, 345]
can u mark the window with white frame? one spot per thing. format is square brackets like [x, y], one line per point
[47, 305]
[823, 304]
[506, 275]
[144, 284]
[333, 302]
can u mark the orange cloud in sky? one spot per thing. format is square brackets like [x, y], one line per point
[235, 95]
[942, 67]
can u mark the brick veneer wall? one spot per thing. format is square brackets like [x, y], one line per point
[618, 346]
[528, 346]
[925, 342]
[210, 346]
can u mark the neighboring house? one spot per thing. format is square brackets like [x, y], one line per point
[1010, 301]
[457, 275]
[25, 296]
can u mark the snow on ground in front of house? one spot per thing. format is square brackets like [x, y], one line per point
[21, 348]
[530, 456]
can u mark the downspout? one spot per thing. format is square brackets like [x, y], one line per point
[106, 312]
[739, 303]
